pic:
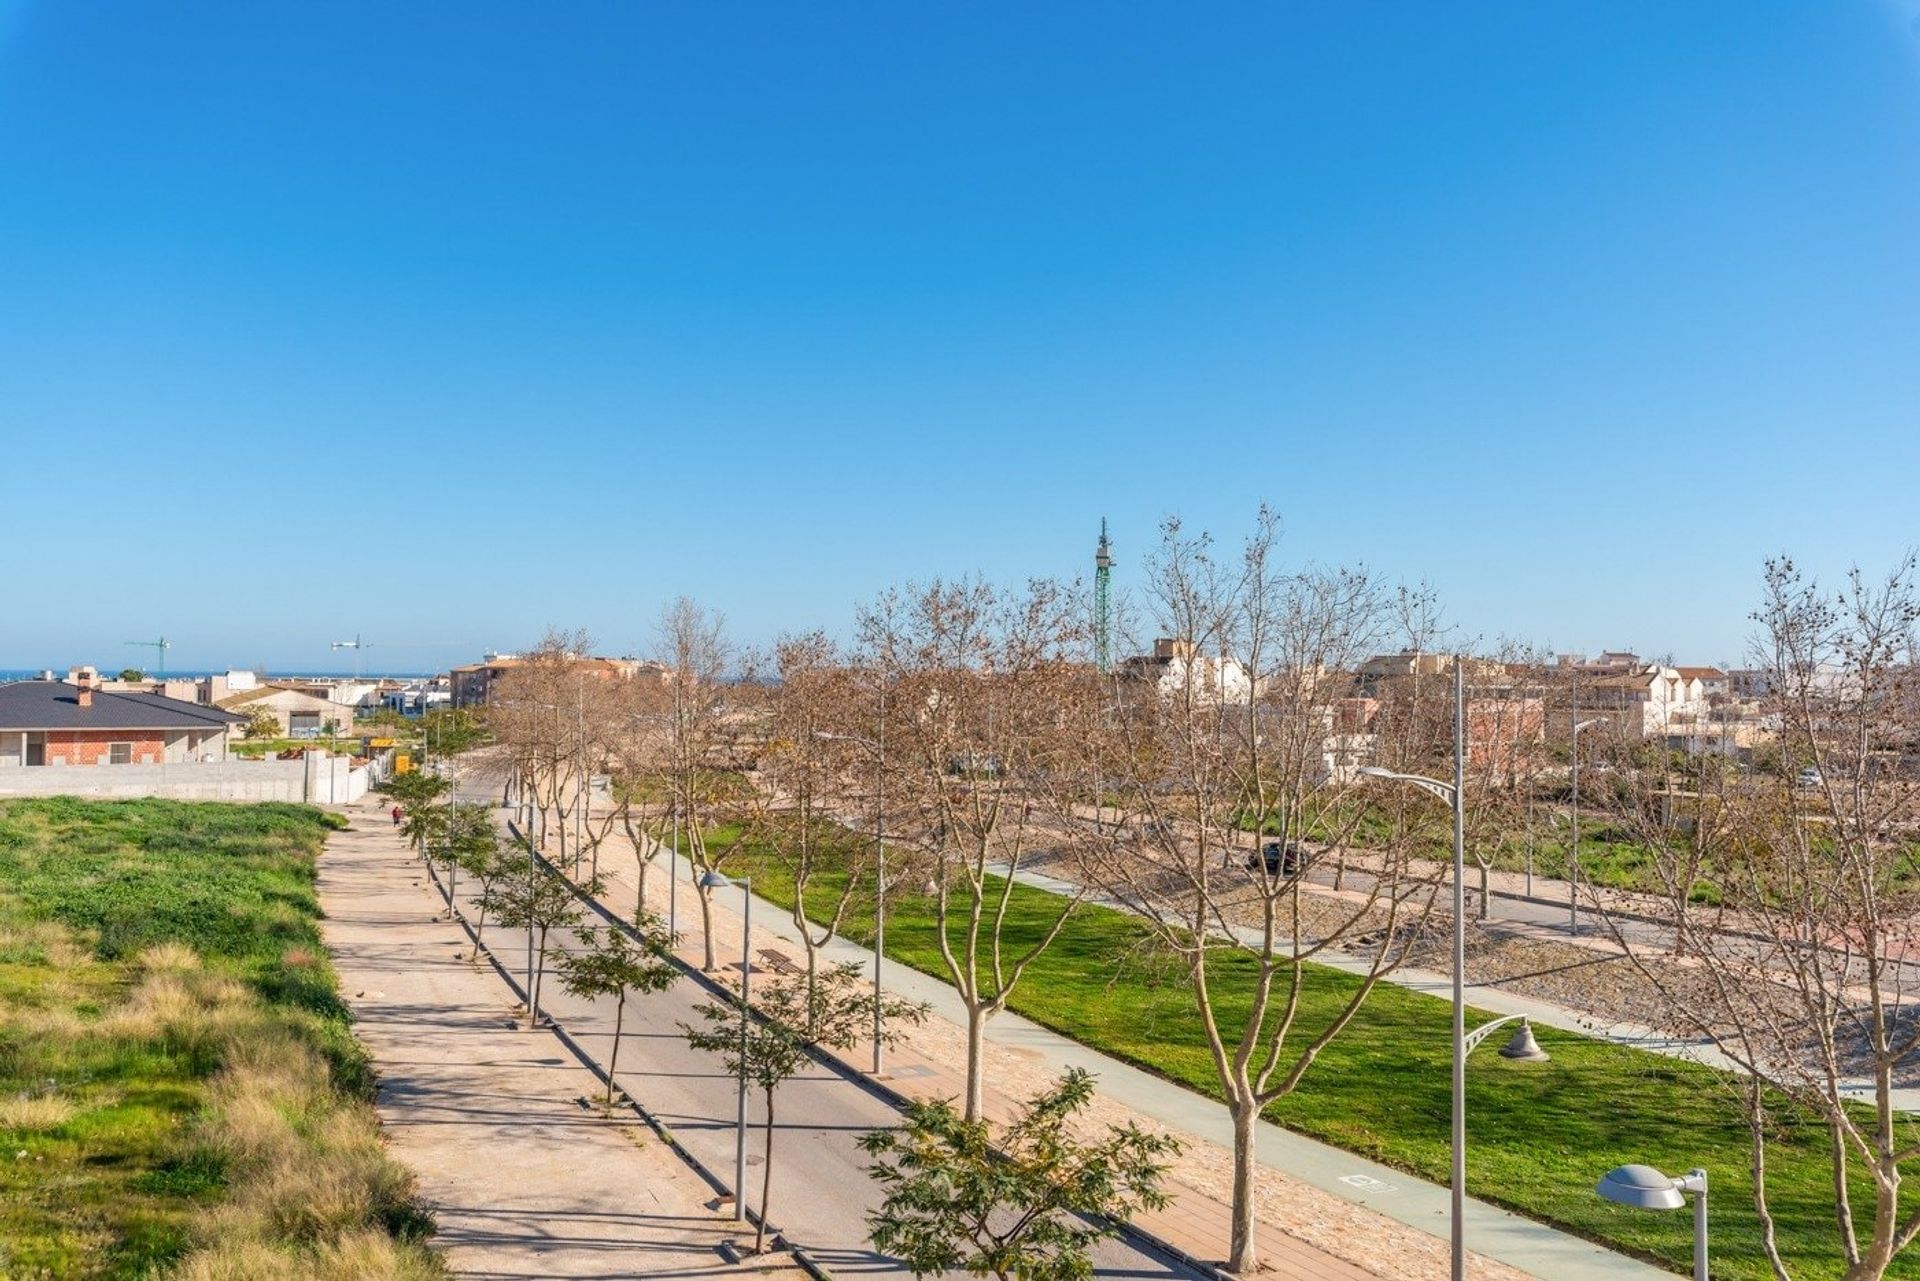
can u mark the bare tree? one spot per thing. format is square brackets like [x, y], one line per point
[640, 771]
[1233, 724]
[793, 814]
[985, 687]
[1507, 747]
[537, 712]
[702, 731]
[1788, 901]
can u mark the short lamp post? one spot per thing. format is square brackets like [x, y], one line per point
[1645, 1188]
[714, 880]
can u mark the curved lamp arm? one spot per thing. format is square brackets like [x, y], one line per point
[1432, 786]
[1485, 1030]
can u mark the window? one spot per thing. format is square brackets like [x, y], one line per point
[119, 753]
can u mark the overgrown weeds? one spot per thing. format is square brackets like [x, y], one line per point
[179, 1090]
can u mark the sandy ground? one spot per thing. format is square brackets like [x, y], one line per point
[522, 1178]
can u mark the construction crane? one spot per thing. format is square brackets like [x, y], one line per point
[160, 647]
[360, 643]
[356, 645]
[1103, 602]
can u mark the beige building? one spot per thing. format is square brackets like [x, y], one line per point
[300, 714]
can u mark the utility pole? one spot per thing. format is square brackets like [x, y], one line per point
[1103, 602]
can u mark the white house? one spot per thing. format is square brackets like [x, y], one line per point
[1174, 667]
[1645, 701]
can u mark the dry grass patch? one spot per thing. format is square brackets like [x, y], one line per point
[175, 1063]
[356, 1256]
[35, 1112]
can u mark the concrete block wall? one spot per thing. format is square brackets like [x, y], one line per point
[320, 780]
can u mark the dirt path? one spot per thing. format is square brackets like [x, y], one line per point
[522, 1179]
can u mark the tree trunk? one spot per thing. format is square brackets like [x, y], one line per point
[706, 926]
[613, 1056]
[1243, 1257]
[641, 860]
[1872, 1266]
[976, 1068]
[766, 1179]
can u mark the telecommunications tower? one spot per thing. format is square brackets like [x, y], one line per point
[1103, 602]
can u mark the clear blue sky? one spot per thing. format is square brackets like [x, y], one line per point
[442, 322]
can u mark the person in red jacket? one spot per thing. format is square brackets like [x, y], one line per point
[398, 813]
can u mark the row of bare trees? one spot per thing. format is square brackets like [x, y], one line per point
[966, 722]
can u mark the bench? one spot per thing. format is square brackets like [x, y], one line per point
[779, 962]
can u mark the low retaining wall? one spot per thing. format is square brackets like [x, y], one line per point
[315, 778]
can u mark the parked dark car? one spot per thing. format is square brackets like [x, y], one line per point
[1277, 859]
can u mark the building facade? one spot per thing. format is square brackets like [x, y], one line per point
[47, 723]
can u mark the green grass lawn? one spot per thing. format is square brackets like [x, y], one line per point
[1540, 1134]
[178, 1085]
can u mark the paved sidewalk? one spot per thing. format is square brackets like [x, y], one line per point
[522, 1180]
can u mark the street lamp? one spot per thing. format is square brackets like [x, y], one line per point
[1645, 1188]
[1520, 1047]
[879, 749]
[1454, 794]
[1573, 875]
[716, 880]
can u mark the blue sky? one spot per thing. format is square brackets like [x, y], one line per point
[443, 322]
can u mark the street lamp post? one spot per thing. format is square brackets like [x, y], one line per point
[1645, 1188]
[714, 880]
[1573, 870]
[580, 783]
[1455, 795]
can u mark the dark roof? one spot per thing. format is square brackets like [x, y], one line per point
[56, 705]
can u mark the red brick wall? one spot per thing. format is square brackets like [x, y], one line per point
[90, 746]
